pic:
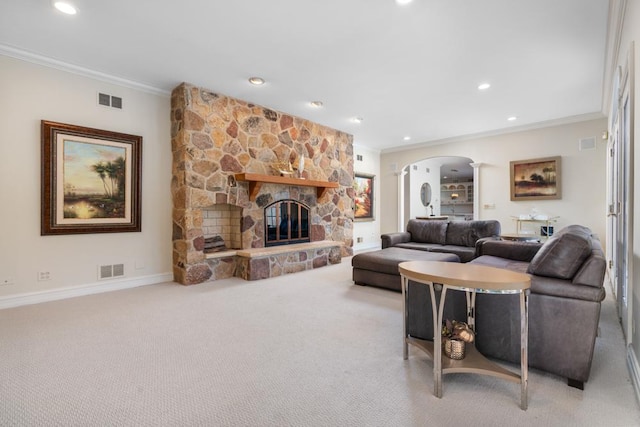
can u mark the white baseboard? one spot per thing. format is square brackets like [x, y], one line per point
[634, 370]
[80, 290]
[357, 249]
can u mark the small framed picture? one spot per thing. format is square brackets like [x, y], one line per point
[90, 180]
[535, 179]
[364, 207]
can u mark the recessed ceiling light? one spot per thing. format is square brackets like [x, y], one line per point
[256, 81]
[316, 104]
[512, 118]
[357, 119]
[403, 2]
[484, 86]
[407, 138]
[65, 7]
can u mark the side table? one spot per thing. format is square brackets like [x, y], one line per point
[520, 237]
[471, 279]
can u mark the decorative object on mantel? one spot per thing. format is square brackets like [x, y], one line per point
[301, 166]
[284, 168]
[454, 337]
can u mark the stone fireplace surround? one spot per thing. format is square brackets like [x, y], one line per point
[215, 137]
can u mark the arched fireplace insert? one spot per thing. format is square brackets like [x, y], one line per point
[286, 222]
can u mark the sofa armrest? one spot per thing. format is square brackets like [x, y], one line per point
[392, 239]
[517, 251]
[481, 242]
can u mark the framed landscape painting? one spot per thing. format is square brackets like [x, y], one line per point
[535, 179]
[363, 198]
[90, 180]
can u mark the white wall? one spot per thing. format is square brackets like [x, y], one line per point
[31, 93]
[583, 174]
[417, 177]
[369, 230]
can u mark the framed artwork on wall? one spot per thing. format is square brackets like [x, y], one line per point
[536, 179]
[363, 198]
[91, 180]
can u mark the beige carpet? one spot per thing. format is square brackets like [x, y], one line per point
[308, 349]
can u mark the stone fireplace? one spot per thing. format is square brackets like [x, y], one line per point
[215, 139]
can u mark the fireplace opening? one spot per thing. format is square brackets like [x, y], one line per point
[286, 222]
[221, 228]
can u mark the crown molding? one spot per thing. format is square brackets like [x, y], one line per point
[504, 131]
[35, 58]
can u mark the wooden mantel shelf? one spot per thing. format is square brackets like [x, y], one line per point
[256, 180]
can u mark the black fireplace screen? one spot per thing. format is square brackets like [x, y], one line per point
[286, 222]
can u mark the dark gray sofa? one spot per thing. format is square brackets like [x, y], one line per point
[455, 237]
[567, 275]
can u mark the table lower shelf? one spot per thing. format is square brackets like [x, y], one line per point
[473, 363]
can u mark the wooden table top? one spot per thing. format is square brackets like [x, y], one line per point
[473, 277]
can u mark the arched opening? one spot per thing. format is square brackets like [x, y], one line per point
[454, 189]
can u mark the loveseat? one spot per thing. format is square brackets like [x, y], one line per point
[567, 275]
[455, 237]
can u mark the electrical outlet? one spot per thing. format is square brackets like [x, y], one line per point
[489, 206]
[6, 281]
[359, 240]
[43, 276]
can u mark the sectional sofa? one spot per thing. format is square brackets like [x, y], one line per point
[567, 288]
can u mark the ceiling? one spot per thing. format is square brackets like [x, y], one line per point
[408, 70]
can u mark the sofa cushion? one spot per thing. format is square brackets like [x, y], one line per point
[418, 246]
[467, 233]
[387, 260]
[427, 231]
[562, 255]
[466, 254]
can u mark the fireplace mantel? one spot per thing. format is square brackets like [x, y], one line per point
[256, 180]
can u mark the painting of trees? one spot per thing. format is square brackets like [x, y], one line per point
[94, 180]
[91, 180]
[535, 179]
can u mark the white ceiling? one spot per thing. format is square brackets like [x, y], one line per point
[407, 70]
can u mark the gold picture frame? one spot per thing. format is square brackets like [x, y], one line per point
[536, 179]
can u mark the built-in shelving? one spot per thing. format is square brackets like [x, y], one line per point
[256, 180]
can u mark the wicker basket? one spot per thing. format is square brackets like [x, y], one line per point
[453, 349]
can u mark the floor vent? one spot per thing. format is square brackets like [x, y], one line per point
[110, 271]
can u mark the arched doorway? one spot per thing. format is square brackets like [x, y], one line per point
[454, 188]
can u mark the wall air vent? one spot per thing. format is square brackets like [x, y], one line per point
[110, 271]
[116, 102]
[104, 99]
[107, 100]
[587, 143]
